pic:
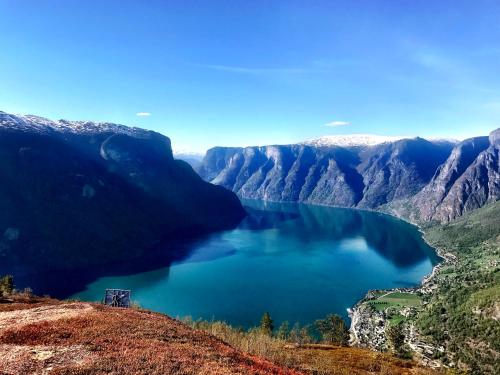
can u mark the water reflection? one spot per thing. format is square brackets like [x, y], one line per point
[271, 229]
[64, 283]
[394, 239]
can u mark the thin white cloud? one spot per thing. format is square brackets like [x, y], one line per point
[143, 114]
[335, 124]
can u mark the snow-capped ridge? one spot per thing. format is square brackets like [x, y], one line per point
[42, 124]
[443, 140]
[353, 140]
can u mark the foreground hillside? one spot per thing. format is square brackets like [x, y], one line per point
[48, 336]
[83, 338]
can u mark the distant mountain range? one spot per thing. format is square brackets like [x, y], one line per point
[362, 140]
[78, 193]
[413, 177]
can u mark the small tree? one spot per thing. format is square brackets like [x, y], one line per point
[305, 335]
[6, 285]
[396, 337]
[294, 334]
[283, 331]
[300, 335]
[266, 324]
[333, 330]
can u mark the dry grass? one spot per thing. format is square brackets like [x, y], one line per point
[311, 358]
[24, 300]
[119, 341]
[254, 341]
[24, 359]
[355, 361]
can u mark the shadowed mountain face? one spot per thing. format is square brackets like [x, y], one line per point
[78, 193]
[365, 177]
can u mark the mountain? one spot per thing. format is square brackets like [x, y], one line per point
[78, 193]
[412, 177]
[468, 179]
[365, 174]
[398, 170]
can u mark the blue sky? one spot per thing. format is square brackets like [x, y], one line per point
[256, 72]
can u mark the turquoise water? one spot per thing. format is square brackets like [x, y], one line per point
[299, 262]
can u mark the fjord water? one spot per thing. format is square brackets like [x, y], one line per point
[299, 262]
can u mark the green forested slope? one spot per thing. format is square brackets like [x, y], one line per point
[464, 315]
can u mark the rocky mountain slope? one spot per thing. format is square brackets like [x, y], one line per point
[79, 193]
[468, 179]
[354, 176]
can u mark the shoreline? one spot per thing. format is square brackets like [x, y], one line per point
[377, 341]
[446, 258]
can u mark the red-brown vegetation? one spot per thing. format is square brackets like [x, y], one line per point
[101, 339]
[49, 336]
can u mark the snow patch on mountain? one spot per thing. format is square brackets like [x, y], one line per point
[353, 140]
[38, 124]
[443, 140]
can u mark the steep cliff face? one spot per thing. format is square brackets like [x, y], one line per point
[468, 179]
[398, 170]
[447, 174]
[83, 193]
[287, 173]
[352, 176]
